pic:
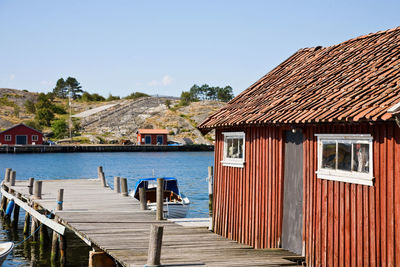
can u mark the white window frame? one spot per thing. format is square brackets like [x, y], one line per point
[162, 138]
[231, 162]
[8, 138]
[35, 138]
[341, 175]
[151, 139]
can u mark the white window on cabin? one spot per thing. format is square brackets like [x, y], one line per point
[346, 158]
[234, 149]
[7, 138]
[35, 138]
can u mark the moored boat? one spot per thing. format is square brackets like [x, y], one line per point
[5, 249]
[176, 204]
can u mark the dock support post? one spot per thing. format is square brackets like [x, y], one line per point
[16, 213]
[4, 199]
[142, 198]
[155, 244]
[101, 176]
[54, 243]
[30, 186]
[210, 196]
[37, 195]
[117, 184]
[124, 187]
[160, 199]
[26, 223]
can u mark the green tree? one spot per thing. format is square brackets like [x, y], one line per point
[136, 95]
[112, 97]
[168, 103]
[44, 116]
[30, 106]
[59, 128]
[185, 98]
[74, 88]
[33, 124]
[17, 109]
[225, 94]
[61, 89]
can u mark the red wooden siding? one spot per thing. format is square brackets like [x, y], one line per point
[344, 224]
[349, 224]
[244, 209]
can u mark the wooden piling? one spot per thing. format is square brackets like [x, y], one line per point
[142, 198]
[155, 244]
[103, 179]
[16, 213]
[26, 223]
[124, 187]
[7, 175]
[54, 243]
[38, 190]
[99, 170]
[37, 195]
[3, 205]
[13, 178]
[210, 195]
[30, 186]
[160, 199]
[117, 184]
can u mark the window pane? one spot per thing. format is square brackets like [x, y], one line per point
[344, 156]
[240, 148]
[329, 155]
[234, 148]
[361, 158]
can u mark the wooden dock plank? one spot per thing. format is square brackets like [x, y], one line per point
[115, 224]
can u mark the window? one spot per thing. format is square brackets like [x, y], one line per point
[345, 157]
[147, 139]
[160, 140]
[35, 138]
[7, 138]
[234, 149]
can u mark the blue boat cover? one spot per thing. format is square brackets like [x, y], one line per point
[170, 184]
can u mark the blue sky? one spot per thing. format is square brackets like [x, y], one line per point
[164, 47]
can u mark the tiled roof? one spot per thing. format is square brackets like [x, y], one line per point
[153, 131]
[357, 80]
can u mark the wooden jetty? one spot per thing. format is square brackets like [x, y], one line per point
[118, 230]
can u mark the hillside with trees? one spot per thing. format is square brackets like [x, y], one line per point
[117, 119]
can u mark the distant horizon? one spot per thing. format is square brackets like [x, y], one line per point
[166, 47]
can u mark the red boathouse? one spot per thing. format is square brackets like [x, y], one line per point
[152, 137]
[308, 157]
[21, 134]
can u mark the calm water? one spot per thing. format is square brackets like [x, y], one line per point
[189, 167]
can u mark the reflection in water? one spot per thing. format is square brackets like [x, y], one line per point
[33, 253]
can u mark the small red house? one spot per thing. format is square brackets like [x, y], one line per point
[308, 157]
[152, 136]
[21, 134]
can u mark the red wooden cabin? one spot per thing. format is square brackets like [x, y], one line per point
[21, 134]
[307, 158]
[152, 136]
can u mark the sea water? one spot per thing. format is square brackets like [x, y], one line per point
[190, 168]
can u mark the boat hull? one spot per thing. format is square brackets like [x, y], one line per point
[5, 249]
[172, 210]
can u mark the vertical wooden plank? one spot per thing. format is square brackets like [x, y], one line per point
[347, 225]
[390, 196]
[263, 189]
[330, 224]
[397, 197]
[280, 182]
[342, 216]
[269, 212]
[273, 188]
[324, 222]
[378, 182]
[313, 167]
[336, 216]
[257, 190]
[360, 223]
[366, 220]
[383, 193]
[318, 243]
[353, 195]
